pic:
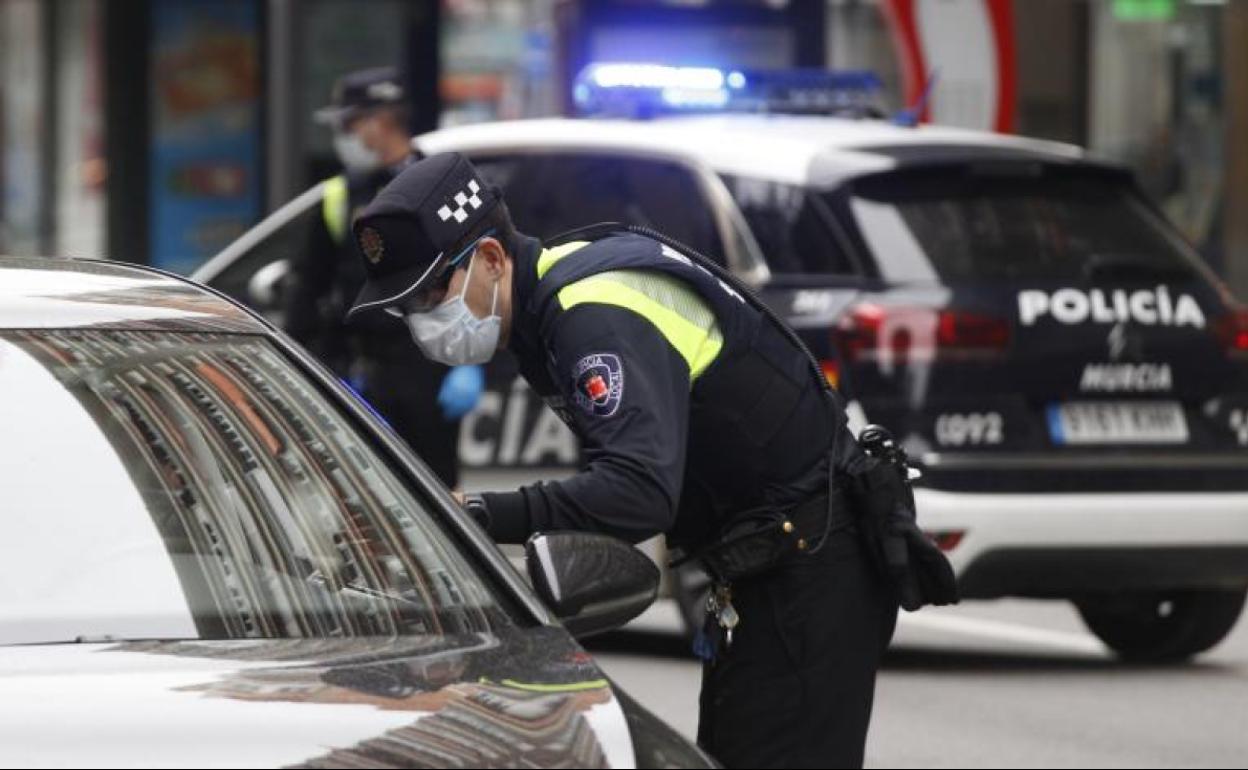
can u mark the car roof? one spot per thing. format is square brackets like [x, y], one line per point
[46, 293]
[813, 150]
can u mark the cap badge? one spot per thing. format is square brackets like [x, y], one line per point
[372, 245]
[385, 91]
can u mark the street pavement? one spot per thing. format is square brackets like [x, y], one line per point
[995, 684]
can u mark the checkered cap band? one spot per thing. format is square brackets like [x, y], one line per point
[465, 201]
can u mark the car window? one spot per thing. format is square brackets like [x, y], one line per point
[257, 276]
[195, 485]
[793, 232]
[963, 224]
[550, 194]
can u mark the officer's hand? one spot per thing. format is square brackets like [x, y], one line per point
[460, 391]
[476, 508]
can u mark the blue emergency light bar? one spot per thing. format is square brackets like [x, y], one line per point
[642, 90]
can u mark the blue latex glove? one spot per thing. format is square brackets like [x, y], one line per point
[460, 391]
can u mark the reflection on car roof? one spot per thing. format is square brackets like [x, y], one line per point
[38, 292]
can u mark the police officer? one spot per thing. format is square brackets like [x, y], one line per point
[699, 418]
[422, 400]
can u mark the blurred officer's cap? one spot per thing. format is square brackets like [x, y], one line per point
[358, 92]
[406, 234]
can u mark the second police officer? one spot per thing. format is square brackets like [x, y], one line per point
[700, 416]
[422, 400]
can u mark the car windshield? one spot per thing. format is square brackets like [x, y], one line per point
[1013, 224]
[197, 485]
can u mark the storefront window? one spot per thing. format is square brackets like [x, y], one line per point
[497, 60]
[81, 169]
[1156, 105]
[22, 127]
[205, 155]
[344, 40]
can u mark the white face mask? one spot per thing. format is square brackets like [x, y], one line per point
[452, 335]
[354, 155]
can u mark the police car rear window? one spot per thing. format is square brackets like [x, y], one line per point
[1013, 223]
[552, 193]
[797, 233]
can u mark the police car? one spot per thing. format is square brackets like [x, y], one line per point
[1067, 374]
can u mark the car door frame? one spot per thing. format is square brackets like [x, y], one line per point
[267, 227]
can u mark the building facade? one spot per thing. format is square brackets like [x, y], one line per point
[158, 130]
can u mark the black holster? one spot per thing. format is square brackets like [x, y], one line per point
[903, 555]
[756, 542]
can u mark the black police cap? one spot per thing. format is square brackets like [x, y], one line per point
[405, 234]
[358, 92]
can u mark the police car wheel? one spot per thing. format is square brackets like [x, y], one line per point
[1163, 627]
[690, 588]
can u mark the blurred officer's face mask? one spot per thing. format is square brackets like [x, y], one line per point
[451, 334]
[355, 156]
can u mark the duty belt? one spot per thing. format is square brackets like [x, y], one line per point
[756, 542]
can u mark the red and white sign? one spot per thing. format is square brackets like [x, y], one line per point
[967, 46]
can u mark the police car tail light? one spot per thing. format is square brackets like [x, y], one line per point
[947, 540]
[898, 334]
[970, 332]
[1232, 330]
[857, 334]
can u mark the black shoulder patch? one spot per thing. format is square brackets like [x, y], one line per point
[598, 384]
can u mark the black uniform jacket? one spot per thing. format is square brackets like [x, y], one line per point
[325, 276]
[662, 453]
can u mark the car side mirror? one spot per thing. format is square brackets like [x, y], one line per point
[593, 583]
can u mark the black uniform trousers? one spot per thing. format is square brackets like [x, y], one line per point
[795, 688]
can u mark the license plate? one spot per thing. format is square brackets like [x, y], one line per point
[1152, 422]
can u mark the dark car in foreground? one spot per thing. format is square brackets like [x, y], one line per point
[214, 554]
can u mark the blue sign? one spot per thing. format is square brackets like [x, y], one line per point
[204, 188]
